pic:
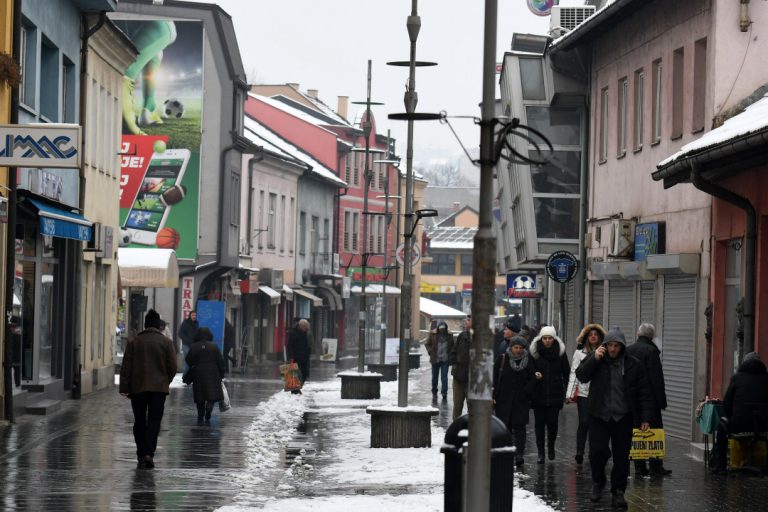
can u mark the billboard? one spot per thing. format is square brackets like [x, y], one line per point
[160, 151]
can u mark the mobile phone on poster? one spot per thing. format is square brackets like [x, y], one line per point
[151, 206]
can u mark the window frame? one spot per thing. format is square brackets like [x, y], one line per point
[656, 101]
[621, 124]
[639, 109]
[603, 134]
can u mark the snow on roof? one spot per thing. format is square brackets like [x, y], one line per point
[753, 119]
[434, 309]
[263, 133]
[148, 268]
[451, 237]
[300, 114]
[598, 16]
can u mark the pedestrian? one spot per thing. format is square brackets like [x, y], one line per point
[745, 407]
[229, 345]
[439, 345]
[298, 348]
[619, 398]
[207, 366]
[459, 359]
[149, 365]
[590, 337]
[513, 388]
[551, 370]
[187, 331]
[649, 355]
[510, 330]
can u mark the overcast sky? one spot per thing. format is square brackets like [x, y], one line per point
[326, 44]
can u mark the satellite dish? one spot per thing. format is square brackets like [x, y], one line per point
[541, 7]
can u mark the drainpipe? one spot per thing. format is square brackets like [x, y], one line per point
[750, 250]
[744, 21]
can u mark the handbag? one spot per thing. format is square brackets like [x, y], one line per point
[189, 376]
[291, 376]
[224, 404]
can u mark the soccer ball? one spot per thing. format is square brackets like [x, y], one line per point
[125, 238]
[524, 283]
[172, 107]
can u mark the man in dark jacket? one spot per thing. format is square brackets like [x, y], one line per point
[510, 330]
[298, 348]
[459, 358]
[646, 351]
[746, 401]
[619, 397]
[149, 365]
[439, 346]
[187, 331]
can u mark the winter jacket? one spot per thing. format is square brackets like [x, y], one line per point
[576, 388]
[433, 342]
[554, 368]
[187, 331]
[208, 369]
[513, 391]
[646, 351]
[298, 347]
[149, 363]
[637, 391]
[500, 344]
[747, 391]
[459, 357]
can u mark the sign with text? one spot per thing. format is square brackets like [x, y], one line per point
[329, 348]
[650, 238]
[437, 288]
[522, 285]
[40, 145]
[187, 296]
[648, 445]
[372, 275]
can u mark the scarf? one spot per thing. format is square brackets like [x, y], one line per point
[551, 353]
[517, 364]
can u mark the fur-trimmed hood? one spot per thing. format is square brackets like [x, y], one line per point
[581, 339]
[545, 331]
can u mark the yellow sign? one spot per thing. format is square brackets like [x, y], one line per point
[648, 445]
[437, 288]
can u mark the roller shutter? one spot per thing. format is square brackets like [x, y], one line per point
[647, 303]
[596, 308]
[572, 320]
[621, 307]
[678, 343]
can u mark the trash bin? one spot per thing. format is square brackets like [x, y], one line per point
[502, 465]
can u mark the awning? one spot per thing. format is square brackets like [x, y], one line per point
[434, 309]
[376, 289]
[288, 291]
[316, 301]
[61, 223]
[274, 297]
[148, 268]
[330, 296]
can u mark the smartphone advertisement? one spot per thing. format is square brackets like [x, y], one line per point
[160, 152]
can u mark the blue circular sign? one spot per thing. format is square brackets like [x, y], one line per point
[562, 266]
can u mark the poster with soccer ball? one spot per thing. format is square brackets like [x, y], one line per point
[161, 125]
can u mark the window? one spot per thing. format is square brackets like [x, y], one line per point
[557, 217]
[284, 222]
[271, 224]
[347, 242]
[49, 81]
[358, 161]
[355, 231]
[560, 175]
[382, 234]
[314, 236]
[326, 236]
[28, 55]
[639, 110]
[302, 232]
[603, 141]
[291, 225]
[259, 220]
[442, 264]
[532, 78]
[656, 112]
[561, 124]
[699, 85]
[68, 94]
[234, 203]
[382, 176]
[678, 95]
[346, 163]
[371, 232]
[466, 265]
[621, 143]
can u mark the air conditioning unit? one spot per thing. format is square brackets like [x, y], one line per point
[563, 19]
[622, 238]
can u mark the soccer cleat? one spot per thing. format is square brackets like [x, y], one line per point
[148, 118]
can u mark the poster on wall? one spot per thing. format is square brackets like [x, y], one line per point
[160, 149]
[329, 347]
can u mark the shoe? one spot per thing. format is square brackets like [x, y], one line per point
[551, 453]
[140, 464]
[579, 459]
[597, 492]
[540, 460]
[519, 461]
[199, 420]
[434, 398]
[641, 472]
[148, 118]
[618, 501]
[129, 116]
[662, 471]
[149, 462]
[445, 397]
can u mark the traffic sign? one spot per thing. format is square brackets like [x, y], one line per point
[415, 254]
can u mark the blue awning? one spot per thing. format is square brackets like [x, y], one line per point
[61, 223]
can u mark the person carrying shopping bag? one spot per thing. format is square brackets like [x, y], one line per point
[207, 366]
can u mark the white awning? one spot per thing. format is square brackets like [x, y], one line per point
[376, 289]
[274, 297]
[316, 301]
[434, 309]
[148, 268]
[288, 291]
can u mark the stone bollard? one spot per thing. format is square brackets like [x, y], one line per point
[388, 371]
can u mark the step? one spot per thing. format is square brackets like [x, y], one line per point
[43, 407]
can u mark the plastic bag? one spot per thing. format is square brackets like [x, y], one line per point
[291, 376]
[224, 405]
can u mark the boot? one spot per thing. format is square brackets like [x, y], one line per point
[657, 468]
[540, 460]
[618, 500]
[551, 451]
[597, 492]
[641, 469]
[149, 462]
[579, 458]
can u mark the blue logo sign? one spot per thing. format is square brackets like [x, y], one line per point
[40, 145]
[562, 266]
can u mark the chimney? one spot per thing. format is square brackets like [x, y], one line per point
[293, 84]
[343, 106]
[455, 206]
[312, 93]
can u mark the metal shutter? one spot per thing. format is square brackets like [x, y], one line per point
[596, 306]
[571, 312]
[678, 347]
[647, 303]
[621, 307]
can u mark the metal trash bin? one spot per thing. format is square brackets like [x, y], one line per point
[502, 466]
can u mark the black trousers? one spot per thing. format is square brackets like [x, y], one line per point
[303, 364]
[546, 418]
[619, 435]
[582, 405]
[519, 434]
[204, 408]
[148, 408]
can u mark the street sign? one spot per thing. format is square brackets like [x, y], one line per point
[415, 254]
[562, 266]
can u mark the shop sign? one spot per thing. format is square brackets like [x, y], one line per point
[187, 296]
[522, 285]
[562, 266]
[372, 275]
[437, 288]
[40, 145]
[650, 238]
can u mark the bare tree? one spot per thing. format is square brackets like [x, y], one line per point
[443, 174]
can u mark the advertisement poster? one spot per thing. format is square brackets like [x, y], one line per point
[210, 314]
[160, 150]
[330, 347]
[392, 351]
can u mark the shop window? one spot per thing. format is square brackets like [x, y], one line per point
[532, 79]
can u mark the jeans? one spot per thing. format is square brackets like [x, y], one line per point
[546, 417]
[582, 404]
[619, 434]
[459, 397]
[148, 408]
[440, 368]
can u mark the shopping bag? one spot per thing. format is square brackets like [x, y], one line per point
[189, 376]
[224, 405]
[291, 376]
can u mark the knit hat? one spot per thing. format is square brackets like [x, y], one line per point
[514, 324]
[616, 335]
[152, 319]
[750, 356]
[518, 340]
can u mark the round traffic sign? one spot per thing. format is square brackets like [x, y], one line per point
[415, 254]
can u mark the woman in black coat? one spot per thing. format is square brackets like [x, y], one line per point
[513, 385]
[552, 372]
[208, 369]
